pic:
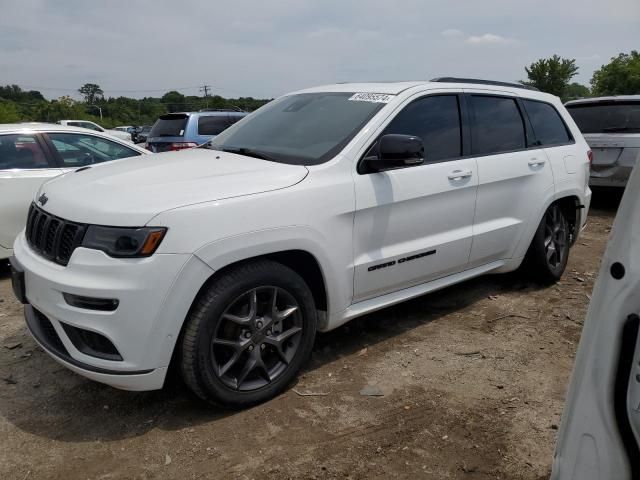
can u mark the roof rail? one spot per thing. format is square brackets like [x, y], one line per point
[234, 109]
[483, 82]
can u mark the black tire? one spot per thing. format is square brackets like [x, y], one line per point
[548, 253]
[271, 335]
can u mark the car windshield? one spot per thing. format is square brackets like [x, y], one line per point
[302, 129]
[607, 117]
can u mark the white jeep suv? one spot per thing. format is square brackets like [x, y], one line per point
[323, 205]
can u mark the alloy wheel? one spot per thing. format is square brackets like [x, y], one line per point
[555, 237]
[256, 338]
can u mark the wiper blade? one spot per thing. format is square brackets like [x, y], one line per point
[248, 152]
[619, 129]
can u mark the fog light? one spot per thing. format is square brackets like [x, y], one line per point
[91, 303]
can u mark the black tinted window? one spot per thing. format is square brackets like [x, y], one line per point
[212, 125]
[547, 123]
[436, 120]
[607, 117]
[22, 152]
[77, 150]
[498, 125]
[169, 126]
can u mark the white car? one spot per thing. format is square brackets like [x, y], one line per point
[122, 135]
[323, 205]
[32, 153]
[599, 437]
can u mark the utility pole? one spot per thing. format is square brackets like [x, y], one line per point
[205, 89]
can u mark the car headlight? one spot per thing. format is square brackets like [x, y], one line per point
[124, 242]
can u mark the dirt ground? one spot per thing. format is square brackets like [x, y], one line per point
[473, 380]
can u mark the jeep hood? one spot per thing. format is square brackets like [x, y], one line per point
[131, 191]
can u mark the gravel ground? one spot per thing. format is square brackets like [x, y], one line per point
[470, 383]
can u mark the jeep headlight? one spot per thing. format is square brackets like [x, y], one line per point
[124, 242]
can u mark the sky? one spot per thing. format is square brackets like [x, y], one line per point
[264, 49]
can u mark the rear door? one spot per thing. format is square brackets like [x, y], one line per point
[599, 436]
[25, 164]
[414, 225]
[514, 175]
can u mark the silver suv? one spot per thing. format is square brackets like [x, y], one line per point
[611, 127]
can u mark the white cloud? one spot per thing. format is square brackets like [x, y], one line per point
[490, 39]
[452, 33]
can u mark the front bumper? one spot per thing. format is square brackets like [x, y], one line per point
[154, 296]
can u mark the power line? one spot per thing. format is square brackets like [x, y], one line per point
[35, 87]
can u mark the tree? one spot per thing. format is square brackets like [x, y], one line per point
[621, 76]
[8, 112]
[91, 92]
[551, 75]
[576, 90]
[174, 101]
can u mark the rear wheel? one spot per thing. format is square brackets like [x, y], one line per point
[548, 253]
[248, 335]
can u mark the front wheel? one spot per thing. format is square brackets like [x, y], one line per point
[548, 253]
[248, 334]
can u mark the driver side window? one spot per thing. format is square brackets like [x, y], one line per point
[77, 150]
[436, 120]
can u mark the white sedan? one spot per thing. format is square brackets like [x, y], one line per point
[31, 154]
[114, 132]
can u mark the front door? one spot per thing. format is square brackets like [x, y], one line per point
[413, 225]
[599, 437]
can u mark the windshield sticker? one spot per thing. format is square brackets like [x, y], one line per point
[371, 97]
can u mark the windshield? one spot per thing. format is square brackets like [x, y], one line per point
[607, 117]
[303, 129]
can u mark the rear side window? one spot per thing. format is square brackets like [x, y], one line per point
[169, 126]
[21, 151]
[213, 124]
[498, 127]
[436, 120]
[547, 124]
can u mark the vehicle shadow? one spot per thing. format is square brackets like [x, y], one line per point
[5, 269]
[606, 199]
[47, 400]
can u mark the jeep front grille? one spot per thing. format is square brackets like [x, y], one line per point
[52, 237]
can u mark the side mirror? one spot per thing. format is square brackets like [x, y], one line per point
[394, 151]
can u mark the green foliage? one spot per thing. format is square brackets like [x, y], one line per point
[16, 94]
[17, 105]
[551, 75]
[91, 92]
[576, 90]
[8, 112]
[621, 76]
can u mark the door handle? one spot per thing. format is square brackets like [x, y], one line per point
[459, 174]
[534, 162]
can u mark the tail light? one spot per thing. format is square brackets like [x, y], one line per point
[182, 145]
[590, 156]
